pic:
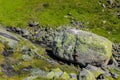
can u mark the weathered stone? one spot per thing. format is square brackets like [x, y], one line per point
[96, 71]
[82, 47]
[38, 72]
[50, 75]
[73, 76]
[65, 76]
[100, 77]
[8, 70]
[5, 53]
[55, 73]
[30, 78]
[32, 24]
[86, 75]
[111, 2]
[10, 39]
[26, 57]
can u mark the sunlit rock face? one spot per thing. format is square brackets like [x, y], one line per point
[82, 47]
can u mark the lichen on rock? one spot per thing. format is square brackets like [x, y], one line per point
[76, 45]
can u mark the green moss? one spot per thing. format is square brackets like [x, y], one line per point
[99, 20]
[1, 59]
[1, 48]
[70, 68]
[68, 45]
[42, 78]
[116, 71]
[89, 76]
[1, 53]
[65, 76]
[109, 78]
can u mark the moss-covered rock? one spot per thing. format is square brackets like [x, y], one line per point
[23, 55]
[55, 73]
[27, 60]
[73, 76]
[76, 45]
[65, 76]
[10, 39]
[86, 75]
[96, 71]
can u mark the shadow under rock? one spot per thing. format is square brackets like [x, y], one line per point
[60, 60]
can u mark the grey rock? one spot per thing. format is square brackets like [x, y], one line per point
[73, 75]
[86, 75]
[32, 24]
[27, 57]
[96, 71]
[114, 75]
[10, 39]
[38, 72]
[30, 78]
[8, 70]
[55, 73]
[76, 45]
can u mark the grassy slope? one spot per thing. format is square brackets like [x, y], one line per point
[19, 12]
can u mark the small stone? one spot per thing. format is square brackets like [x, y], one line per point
[104, 21]
[51, 75]
[95, 70]
[118, 16]
[65, 76]
[103, 5]
[26, 58]
[114, 75]
[86, 75]
[70, 14]
[5, 53]
[38, 72]
[57, 72]
[73, 75]
[32, 24]
[30, 78]
[101, 76]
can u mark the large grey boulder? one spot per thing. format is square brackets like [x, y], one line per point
[82, 47]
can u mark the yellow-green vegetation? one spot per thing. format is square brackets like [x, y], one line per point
[114, 71]
[88, 76]
[43, 78]
[1, 51]
[70, 68]
[98, 15]
[18, 62]
[1, 48]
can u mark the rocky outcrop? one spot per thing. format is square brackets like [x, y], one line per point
[18, 56]
[37, 34]
[42, 35]
[82, 47]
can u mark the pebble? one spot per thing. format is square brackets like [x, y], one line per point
[33, 24]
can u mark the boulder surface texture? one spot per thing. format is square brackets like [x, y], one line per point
[82, 47]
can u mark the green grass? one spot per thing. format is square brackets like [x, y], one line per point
[18, 13]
